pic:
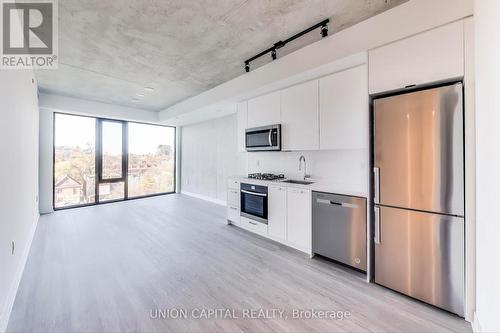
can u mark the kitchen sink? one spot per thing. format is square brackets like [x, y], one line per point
[301, 182]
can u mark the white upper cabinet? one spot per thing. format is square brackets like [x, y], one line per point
[242, 118]
[264, 110]
[299, 117]
[343, 109]
[431, 56]
[277, 212]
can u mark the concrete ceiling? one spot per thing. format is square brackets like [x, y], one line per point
[110, 50]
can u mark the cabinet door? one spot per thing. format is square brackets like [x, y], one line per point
[343, 109]
[264, 110]
[242, 115]
[277, 212]
[299, 218]
[434, 55]
[299, 117]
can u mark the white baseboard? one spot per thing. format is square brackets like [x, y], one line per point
[476, 327]
[204, 197]
[11, 296]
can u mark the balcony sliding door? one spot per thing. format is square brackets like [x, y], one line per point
[111, 160]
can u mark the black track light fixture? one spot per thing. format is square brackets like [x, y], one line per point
[324, 30]
[274, 49]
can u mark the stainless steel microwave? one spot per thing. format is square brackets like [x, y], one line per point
[263, 138]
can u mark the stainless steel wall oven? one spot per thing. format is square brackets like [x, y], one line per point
[254, 202]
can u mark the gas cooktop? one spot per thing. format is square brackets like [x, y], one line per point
[266, 176]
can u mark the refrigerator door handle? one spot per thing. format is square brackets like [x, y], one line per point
[377, 225]
[376, 178]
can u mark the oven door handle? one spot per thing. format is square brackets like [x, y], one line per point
[270, 138]
[254, 193]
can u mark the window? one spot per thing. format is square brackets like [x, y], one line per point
[74, 160]
[100, 160]
[151, 159]
[112, 149]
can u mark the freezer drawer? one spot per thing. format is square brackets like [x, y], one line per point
[339, 228]
[421, 255]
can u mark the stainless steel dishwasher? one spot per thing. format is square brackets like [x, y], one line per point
[339, 228]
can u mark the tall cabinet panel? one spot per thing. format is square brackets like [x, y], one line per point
[431, 56]
[343, 109]
[299, 117]
[264, 110]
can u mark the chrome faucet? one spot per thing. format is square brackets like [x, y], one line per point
[304, 172]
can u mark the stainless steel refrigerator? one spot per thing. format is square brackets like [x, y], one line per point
[419, 195]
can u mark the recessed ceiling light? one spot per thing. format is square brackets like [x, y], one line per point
[149, 89]
[140, 95]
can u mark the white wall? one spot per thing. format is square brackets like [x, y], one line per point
[208, 156]
[18, 179]
[487, 33]
[54, 103]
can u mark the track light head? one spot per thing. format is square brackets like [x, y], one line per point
[273, 54]
[324, 30]
[247, 67]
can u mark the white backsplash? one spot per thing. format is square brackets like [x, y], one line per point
[347, 167]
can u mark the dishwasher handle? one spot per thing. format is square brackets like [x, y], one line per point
[331, 202]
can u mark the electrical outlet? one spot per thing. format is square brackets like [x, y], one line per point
[13, 247]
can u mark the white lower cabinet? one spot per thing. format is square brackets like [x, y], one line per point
[289, 215]
[277, 212]
[299, 220]
[233, 197]
[233, 200]
[251, 225]
[233, 213]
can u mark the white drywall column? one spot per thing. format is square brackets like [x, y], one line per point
[487, 32]
[46, 160]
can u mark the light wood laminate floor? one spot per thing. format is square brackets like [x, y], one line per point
[104, 268]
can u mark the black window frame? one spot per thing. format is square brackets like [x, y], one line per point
[98, 161]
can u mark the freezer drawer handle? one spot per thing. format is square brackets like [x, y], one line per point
[377, 225]
[330, 202]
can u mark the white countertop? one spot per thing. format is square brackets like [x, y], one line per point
[317, 185]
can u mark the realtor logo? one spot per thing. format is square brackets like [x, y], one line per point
[29, 34]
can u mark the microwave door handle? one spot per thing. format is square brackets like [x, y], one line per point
[254, 193]
[270, 138]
